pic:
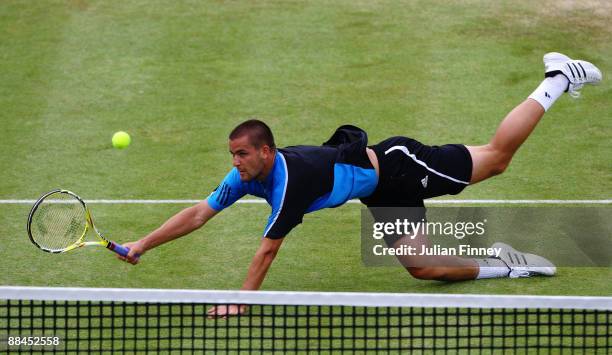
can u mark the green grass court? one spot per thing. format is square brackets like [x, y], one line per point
[178, 76]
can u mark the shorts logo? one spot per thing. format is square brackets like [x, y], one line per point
[424, 181]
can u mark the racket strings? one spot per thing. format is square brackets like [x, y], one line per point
[59, 221]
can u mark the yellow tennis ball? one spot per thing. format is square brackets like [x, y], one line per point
[121, 140]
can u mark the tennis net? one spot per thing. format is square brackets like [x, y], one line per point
[78, 320]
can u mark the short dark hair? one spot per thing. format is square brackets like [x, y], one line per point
[259, 133]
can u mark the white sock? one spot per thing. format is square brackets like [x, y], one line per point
[550, 90]
[491, 268]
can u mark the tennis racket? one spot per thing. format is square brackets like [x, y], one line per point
[59, 222]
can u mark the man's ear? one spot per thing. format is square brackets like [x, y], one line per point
[265, 150]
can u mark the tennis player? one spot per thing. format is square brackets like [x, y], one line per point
[397, 172]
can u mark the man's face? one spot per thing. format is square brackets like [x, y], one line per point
[247, 159]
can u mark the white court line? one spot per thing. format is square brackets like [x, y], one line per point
[257, 201]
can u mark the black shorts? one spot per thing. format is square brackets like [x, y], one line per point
[411, 172]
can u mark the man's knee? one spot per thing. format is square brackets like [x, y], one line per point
[427, 273]
[500, 160]
[488, 160]
[500, 166]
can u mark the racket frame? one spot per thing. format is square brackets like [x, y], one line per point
[89, 224]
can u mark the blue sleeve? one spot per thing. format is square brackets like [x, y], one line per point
[229, 191]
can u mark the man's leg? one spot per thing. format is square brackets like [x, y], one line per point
[487, 160]
[493, 158]
[511, 263]
[562, 74]
[435, 267]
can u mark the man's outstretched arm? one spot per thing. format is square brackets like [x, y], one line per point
[177, 226]
[261, 263]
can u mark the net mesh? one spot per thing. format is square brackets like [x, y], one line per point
[58, 222]
[86, 326]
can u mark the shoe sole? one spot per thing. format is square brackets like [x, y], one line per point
[543, 270]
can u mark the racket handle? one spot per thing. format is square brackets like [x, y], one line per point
[120, 249]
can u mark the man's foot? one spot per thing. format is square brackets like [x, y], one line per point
[578, 72]
[523, 264]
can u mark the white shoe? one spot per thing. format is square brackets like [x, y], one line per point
[578, 72]
[523, 264]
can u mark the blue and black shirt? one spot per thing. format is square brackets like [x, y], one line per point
[305, 179]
